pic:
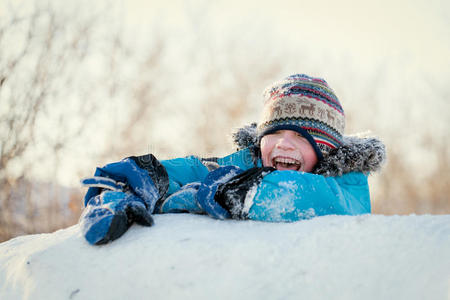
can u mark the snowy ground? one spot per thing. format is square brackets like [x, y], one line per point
[196, 257]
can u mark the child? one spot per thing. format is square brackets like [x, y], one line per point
[295, 164]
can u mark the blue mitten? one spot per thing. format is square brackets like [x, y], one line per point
[198, 197]
[236, 194]
[108, 216]
[184, 200]
[208, 188]
[144, 176]
[122, 193]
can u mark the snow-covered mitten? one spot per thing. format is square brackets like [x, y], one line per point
[108, 216]
[184, 200]
[143, 175]
[232, 195]
[208, 188]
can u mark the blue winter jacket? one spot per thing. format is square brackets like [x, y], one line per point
[281, 195]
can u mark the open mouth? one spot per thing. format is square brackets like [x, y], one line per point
[286, 163]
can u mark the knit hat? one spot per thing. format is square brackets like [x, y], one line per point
[306, 105]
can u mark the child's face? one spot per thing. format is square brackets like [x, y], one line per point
[287, 150]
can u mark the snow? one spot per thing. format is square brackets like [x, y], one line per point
[185, 256]
[248, 201]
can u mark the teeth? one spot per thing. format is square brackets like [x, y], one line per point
[286, 160]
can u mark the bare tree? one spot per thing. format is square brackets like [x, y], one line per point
[42, 91]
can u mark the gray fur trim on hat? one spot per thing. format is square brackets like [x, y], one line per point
[246, 136]
[356, 154]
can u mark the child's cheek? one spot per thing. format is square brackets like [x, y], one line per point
[265, 152]
[265, 162]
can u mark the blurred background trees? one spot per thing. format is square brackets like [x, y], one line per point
[80, 88]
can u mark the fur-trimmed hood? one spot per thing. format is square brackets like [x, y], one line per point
[356, 154]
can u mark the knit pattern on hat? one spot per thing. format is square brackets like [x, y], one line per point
[308, 105]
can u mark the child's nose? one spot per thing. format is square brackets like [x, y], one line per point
[285, 143]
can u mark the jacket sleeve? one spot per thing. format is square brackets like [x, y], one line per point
[182, 171]
[190, 169]
[242, 159]
[286, 196]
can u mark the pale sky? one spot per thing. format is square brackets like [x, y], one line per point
[365, 30]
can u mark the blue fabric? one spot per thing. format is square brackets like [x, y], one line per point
[282, 196]
[184, 200]
[286, 196]
[184, 170]
[198, 197]
[208, 188]
[124, 173]
[105, 216]
[103, 183]
[190, 169]
[242, 159]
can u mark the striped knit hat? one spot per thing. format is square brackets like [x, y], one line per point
[306, 105]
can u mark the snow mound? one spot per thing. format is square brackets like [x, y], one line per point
[195, 257]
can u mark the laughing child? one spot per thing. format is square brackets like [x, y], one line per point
[295, 164]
